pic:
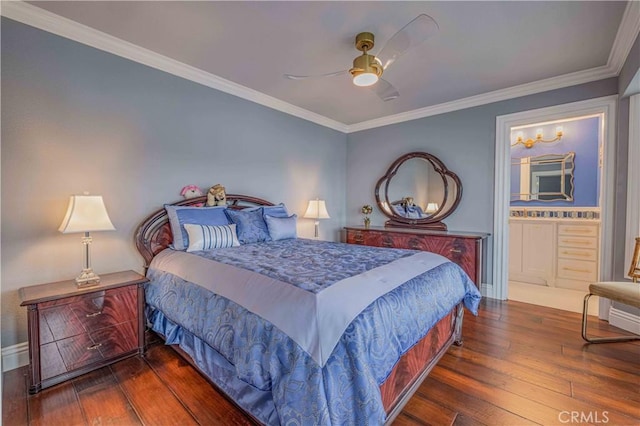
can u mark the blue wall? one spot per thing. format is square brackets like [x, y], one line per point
[581, 137]
[77, 119]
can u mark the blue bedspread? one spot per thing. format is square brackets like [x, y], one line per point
[346, 389]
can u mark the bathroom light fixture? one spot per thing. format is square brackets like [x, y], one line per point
[529, 143]
[86, 213]
[317, 209]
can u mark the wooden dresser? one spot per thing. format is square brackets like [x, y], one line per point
[73, 331]
[463, 248]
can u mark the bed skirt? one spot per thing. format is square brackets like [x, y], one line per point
[404, 379]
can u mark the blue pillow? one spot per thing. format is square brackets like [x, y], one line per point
[251, 226]
[281, 228]
[206, 237]
[276, 211]
[179, 215]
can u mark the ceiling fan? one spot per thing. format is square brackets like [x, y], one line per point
[367, 69]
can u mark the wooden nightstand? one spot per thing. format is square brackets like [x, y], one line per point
[73, 331]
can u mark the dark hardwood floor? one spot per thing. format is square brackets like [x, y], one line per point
[520, 364]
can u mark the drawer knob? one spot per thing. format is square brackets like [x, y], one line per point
[95, 314]
[455, 251]
[94, 347]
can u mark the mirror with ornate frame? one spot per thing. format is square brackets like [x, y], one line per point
[418, 191]
[543, 178]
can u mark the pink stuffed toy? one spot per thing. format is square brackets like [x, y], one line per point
[192, 191]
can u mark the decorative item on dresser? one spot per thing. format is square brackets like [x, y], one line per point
[76, 330]
[463, 248]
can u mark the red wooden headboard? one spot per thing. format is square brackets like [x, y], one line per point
[154, 233]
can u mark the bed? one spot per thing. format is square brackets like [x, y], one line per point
[298, 331]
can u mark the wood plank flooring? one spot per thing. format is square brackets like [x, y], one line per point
[520, 365]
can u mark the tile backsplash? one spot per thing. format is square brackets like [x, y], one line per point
[555, 213]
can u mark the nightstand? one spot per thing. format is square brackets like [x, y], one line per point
[76, 330]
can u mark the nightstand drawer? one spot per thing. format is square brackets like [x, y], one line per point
[88, 313]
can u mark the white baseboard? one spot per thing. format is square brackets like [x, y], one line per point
[15, 356]
[624, 320]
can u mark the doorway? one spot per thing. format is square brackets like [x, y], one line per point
[601, 107]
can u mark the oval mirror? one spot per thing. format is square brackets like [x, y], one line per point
[418, 191]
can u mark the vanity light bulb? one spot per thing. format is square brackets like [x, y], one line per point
[538, 133]
[559, 131]
[519, 136]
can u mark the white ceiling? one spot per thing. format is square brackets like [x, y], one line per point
[480, 48]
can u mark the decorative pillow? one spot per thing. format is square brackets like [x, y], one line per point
[281, 228]
[207, 237]
[276, 211]
[179, 215]
[251, 225]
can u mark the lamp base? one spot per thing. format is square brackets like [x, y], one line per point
[87, 278]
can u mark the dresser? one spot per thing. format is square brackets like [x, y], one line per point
[463, 248]
[73, 331]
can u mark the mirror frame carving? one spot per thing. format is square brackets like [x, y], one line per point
[433, 221]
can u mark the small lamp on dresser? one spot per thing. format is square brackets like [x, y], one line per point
[86, 213]
[317, 209]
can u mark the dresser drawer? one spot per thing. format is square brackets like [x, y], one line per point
[577, 253]
[578, 230]
[577, 242]
[577, 270]
[89, 313]
[462, 251]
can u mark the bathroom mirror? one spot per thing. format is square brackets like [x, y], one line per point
[543, 178]
[418, 191]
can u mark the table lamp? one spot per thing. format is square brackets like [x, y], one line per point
[317, 209]
[86, 213]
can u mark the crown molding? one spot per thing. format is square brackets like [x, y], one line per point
[58, 25]
[539, 86]
[55, 24]
[627, 33]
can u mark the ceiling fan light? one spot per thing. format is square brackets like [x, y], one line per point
[365, 79]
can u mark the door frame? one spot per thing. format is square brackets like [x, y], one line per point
[606, 108]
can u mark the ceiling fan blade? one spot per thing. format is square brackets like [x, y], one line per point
[411, 35]
[385, 90]
[304, 77]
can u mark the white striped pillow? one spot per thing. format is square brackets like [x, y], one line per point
[207, 237]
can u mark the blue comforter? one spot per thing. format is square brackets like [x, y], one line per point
[345, 390]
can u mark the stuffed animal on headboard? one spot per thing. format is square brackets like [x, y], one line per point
[192, 191]
[217, 196]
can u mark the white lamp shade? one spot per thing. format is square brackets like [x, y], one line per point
[86, 213]
[431, 207]
[317, 209]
